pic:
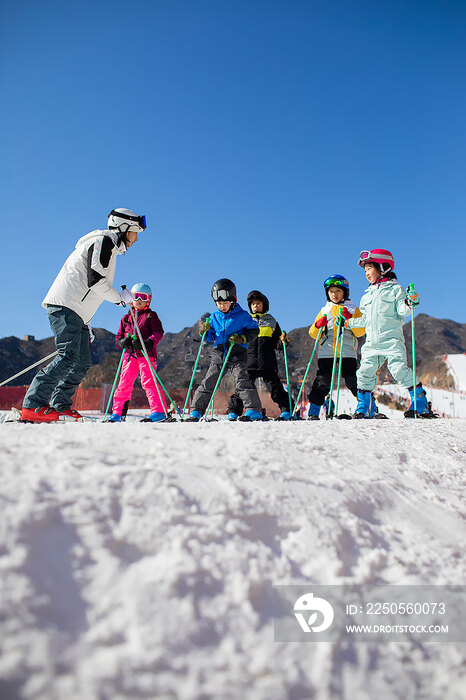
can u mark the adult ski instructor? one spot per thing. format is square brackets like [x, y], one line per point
[83, 283]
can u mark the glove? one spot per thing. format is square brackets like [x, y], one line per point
[126, 297]
[284, 338]
[321, 322]
[412, 298]
[238, 339]
[346, 313]
[204, 326]
[149, 343]
[125, 342]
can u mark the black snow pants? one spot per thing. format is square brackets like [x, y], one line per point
[321, 385]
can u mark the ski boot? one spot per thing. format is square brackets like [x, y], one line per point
[364, 404]
[114, 418]
[232, 416]
[251, 415]
[154, 417]
[374, 410]
[195, 417]
[424, 407]
[41, 414]
[284, 415]
[314, 412]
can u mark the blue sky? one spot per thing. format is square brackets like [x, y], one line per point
[268, 142]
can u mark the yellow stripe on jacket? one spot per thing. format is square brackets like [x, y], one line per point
[266, 331]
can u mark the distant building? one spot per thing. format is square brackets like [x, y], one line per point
[29, 337]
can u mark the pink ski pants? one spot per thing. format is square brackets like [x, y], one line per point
[131, 367]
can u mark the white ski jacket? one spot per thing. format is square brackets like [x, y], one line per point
[86, 278]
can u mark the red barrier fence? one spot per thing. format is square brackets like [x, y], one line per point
[84, 399]
[12, 396]
[96, 399]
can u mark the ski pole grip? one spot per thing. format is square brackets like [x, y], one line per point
[411, 287]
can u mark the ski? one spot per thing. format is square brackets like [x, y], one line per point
[16, 418]
[168, 419]
[410, 413]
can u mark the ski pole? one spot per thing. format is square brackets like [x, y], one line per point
[211, 402]
[194, 373]
[286, 372]
[307, 371]
[23, 371]
[154, 374]
[342, 331]
[114, 385]
[413, 348]
[335, 356]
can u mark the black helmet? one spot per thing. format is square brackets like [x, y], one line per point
[255, 295]
[224, 290]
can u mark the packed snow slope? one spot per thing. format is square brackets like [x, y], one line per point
[457, 367]
[137, 560]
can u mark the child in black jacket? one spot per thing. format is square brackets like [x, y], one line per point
[262, 359]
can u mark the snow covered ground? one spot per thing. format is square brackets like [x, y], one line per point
[137, 560]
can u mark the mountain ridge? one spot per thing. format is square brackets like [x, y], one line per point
[177, 352]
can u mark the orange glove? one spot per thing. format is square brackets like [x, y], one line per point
[284, 338]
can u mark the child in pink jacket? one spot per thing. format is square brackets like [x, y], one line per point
[134, 362]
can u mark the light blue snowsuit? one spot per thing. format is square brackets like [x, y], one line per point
[383, 308]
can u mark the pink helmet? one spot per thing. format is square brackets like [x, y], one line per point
[377, 255]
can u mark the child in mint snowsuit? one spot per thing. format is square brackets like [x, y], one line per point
[384, 307]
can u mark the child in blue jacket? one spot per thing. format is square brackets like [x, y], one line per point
[230, 324]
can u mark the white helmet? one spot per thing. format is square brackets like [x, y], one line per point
[124, 220]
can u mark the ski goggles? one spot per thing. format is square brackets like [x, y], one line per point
[364, 256]
[221, 295]
[139, 220]
[331, 282]
[141, 295]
